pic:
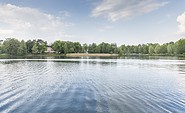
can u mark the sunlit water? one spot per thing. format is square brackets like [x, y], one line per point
[92, 85]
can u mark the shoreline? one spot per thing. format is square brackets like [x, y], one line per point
[91, 55]
[73, 55]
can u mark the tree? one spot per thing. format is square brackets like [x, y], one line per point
[92, 48]
[29, 45]
[42, 45]
[35, 49]
[105, 47]
[136, 49]
[97, 49]
[70, 46]
[151, 49]
[1, 46]
[65, 48]
[157, 49]
[163, 49]
[170, 48]
[22, 50]
[145, 49]
[113, 48]
[180, 46]
[85, 48]
[122, 49]
[57, 46]
[71, 50]
[11, 46]
[77, 47]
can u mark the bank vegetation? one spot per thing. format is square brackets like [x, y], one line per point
[14, 47]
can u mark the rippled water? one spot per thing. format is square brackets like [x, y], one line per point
[92, 85]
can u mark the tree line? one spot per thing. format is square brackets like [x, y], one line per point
[12, 46]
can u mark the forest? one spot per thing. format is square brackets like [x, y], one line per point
[14, 47]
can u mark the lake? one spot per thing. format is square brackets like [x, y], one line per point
[122, 85]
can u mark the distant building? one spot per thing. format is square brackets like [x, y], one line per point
[49, 50]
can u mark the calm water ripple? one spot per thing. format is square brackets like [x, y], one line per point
[92, 85]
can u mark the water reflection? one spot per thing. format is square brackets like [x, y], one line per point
[112, 57]
[92, 85]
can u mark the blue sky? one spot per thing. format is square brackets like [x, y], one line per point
[87, 21]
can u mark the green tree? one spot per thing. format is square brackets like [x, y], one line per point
[122, 49]
[170, 48]
[157, 49]
[71, 50]
[56, 46]
[180, 46]
[85, 48]
[136, 49]
[163, 49]
[151, 49]
[77, 47]
[65, 48]
[92, 48]
[106, 47]
[35, 49]
[1, 46]
[11, 46]
[97, 49]
[145, 49]
[113, 48]
[22, 50]
[42, 45]
[29, 45]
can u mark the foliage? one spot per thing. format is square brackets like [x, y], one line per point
[85, 48]
[64, 47]
[157, 49]
[12, 46]
[170, 48]
[1, 46]
[29, 45]
[35, 49]
[180, 46]
[151, 49]
[22, 50]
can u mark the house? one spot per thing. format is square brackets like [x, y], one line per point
[49, 50]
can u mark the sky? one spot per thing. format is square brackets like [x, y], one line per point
[88, 21]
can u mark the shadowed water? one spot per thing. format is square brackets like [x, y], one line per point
[92, 85]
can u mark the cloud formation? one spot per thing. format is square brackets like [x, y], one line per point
[181, 21]
[105, 28]
[26, 23]
[115, 10]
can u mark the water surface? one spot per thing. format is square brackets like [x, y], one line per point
[92, 85]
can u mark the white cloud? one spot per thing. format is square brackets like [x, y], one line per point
[120, 9]
[105, 28]
[181, 21]
[6, 31]
[26, 23]
[65, 14]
